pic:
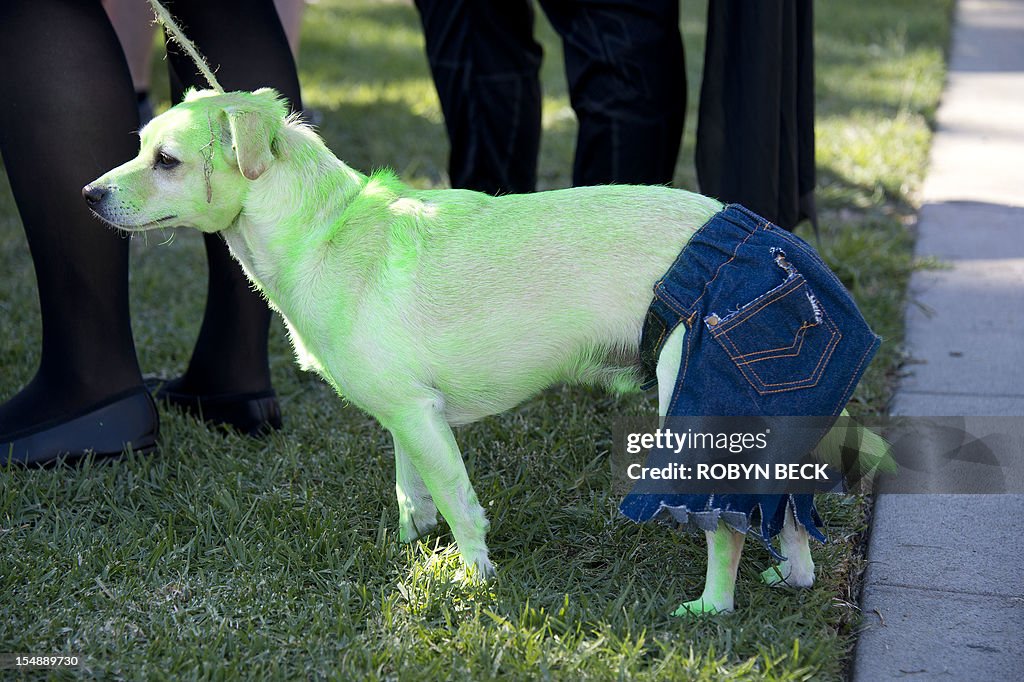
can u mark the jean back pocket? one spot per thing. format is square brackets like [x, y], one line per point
[780, 341]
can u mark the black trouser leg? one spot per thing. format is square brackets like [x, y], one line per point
[755, 136]
[627, 83]
[485, 65]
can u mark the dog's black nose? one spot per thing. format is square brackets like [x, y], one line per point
[93, 195]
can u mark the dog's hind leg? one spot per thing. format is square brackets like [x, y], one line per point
[724, 549]
[424, 436]
[724, 545]
[667, 370]
[417, 513]
[798, 568]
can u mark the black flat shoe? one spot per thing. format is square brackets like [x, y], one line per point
[255, 413]
[127, 420]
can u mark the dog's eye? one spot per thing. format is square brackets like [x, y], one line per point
[165, 160]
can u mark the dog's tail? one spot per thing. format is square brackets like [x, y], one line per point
[855, 450]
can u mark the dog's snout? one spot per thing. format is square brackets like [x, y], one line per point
[93, 194]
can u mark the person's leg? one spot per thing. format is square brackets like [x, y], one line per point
[627, 83]
[290, 13]
[755, 133]
[485, 64]
[133, 23]
[244, 43]
[68, 116]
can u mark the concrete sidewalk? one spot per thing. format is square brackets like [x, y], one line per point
[944, 590]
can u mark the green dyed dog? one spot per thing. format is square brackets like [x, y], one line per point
[426, 309]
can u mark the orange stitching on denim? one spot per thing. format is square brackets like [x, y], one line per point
[659, 285]
[767, 298]
[798, 342]
[731, 343]
[830, 348]
[744, 315]
[719, 270]
[762, 222]
[816, 256]
[664, 298]
[742, 369]
[833, 344]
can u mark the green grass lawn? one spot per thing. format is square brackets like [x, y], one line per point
[224, 557]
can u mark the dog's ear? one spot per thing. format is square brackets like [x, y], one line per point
[253, 124]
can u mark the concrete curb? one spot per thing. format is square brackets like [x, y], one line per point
[944, 590]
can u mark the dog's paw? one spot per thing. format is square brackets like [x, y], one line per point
[701, 607]
[477, 565]
[413, 526]
[784, 576]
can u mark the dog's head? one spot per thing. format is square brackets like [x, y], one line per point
[195, 164]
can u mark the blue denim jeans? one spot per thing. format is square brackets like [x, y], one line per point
[770, 331]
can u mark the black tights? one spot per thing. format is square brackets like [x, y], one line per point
[69, 115]
[244, 43]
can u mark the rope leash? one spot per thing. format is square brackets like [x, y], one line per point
[178, 36]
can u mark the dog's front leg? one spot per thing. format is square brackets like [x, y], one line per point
[426, 439]
[724, 549]
[417, 513]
